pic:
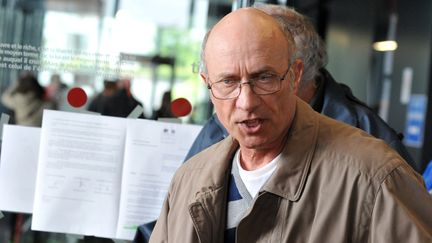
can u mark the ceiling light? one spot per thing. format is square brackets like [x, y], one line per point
[385, 46]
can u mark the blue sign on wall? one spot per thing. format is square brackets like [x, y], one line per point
[414, 129]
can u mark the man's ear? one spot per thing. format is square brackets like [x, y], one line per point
[204, 78]
[298, 67]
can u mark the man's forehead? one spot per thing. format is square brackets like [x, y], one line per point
[245, 18]
[245, 27]
[252, 36]
[235, 63]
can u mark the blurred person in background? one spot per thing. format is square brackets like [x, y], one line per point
[116, 99]
[26, 98]
[165, 109]
[122, 103]
[99, 102]
[57, 92]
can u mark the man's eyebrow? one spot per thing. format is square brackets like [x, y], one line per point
[226, 75]
[263, 70]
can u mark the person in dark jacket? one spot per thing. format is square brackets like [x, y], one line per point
[317, 87]
[115, 100]
[332, 99]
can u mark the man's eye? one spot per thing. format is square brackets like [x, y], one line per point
[263, 78]
[229, 82]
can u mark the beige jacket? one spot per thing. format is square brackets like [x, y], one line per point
[334, 184]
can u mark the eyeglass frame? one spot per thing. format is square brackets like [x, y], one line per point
[251, 83]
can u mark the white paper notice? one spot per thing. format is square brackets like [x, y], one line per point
[19, 156]
[154, 151]
[79, 173]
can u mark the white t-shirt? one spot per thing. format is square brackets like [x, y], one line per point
[255, 179]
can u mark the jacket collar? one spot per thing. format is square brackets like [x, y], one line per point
[209, 201]
[290, 177]
[215, 165]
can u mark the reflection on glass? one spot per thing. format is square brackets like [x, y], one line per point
[87, 42]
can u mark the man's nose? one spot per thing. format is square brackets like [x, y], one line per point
[247, 100]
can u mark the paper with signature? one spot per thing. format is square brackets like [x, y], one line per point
[104, 176]
[79, 173]
[153, 152]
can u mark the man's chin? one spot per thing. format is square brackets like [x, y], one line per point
[252, 143]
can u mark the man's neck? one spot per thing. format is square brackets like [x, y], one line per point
[252, 159]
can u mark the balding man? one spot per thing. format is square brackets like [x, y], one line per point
[285, 173]
[318, 88]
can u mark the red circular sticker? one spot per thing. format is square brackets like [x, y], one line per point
[77, 97]
[181, 107]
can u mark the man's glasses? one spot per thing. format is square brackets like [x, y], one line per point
[263, 84]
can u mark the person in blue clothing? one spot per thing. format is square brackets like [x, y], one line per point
[317, 87]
